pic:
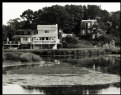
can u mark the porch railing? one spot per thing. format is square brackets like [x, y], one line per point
[11, 43]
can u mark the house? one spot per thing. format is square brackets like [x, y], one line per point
[24, 40]
[10, 44]
[47, 37]
[86, 26]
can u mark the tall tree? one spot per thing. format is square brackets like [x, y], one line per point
[27, 16]
[14, 23]
[91, 11]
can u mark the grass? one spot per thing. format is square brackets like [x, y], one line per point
[113, 50]
[12, 56]
[83, 51]
[90, 77]
[20, 56]
[27, 57]
[64, 51]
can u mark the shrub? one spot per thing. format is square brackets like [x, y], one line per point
[12, 56]
[19, 56]
[28, 57]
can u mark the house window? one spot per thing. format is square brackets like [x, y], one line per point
[18, 39]
[49, 38]
[86, 25]
[46, 31]
[52, 38]
[37, 38]
[89, 25]
[46, 38]
[42, 38]
[33, 38]
[24, 39]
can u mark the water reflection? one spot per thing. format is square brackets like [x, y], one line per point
[63, 90]
[105, 64]
[17, 89]
[60, 65]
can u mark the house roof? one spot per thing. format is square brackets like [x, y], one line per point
[21, 36]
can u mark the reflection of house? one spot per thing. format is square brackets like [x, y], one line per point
[86, 26]
[47, 37]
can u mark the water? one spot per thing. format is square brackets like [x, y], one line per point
[82, 90]
[68, 64]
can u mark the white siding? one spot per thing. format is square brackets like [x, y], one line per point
[51, 34]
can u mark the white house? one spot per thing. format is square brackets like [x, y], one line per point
[47, 37]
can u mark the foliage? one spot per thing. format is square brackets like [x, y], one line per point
[7, 32]
[69, 40]
[68, 18]
[12, 56]
[28, 57]
[19, 56]
[91, 11]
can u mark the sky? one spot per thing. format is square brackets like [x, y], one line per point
[14, 10]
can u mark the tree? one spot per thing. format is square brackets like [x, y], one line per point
[115, 28]
[54, 15]
[74, 16]
[66, 41]
[14, 23]
[27, 16]
[7, 32]
[91, 11]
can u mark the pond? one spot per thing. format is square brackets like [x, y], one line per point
[66, 65]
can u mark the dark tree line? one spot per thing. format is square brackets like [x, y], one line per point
[67, 17]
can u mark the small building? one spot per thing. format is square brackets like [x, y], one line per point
[24, 40]
[86, 26]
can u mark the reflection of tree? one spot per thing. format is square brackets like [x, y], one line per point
[69, 90]
[104, 64]
[116, 84]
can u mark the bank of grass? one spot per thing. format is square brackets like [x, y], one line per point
[20, 56]
[62, 51]
[29, 57]
[88, 77]
[113, 50]
[81, 44]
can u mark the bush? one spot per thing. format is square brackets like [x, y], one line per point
[19, 56]
[28, 57]
[12, 56]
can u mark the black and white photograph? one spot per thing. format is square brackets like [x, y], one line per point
[61, 48]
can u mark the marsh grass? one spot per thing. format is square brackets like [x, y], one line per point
[19, 56]
[28, 57]
[113, 50]
[12, 56]
[69, 52]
